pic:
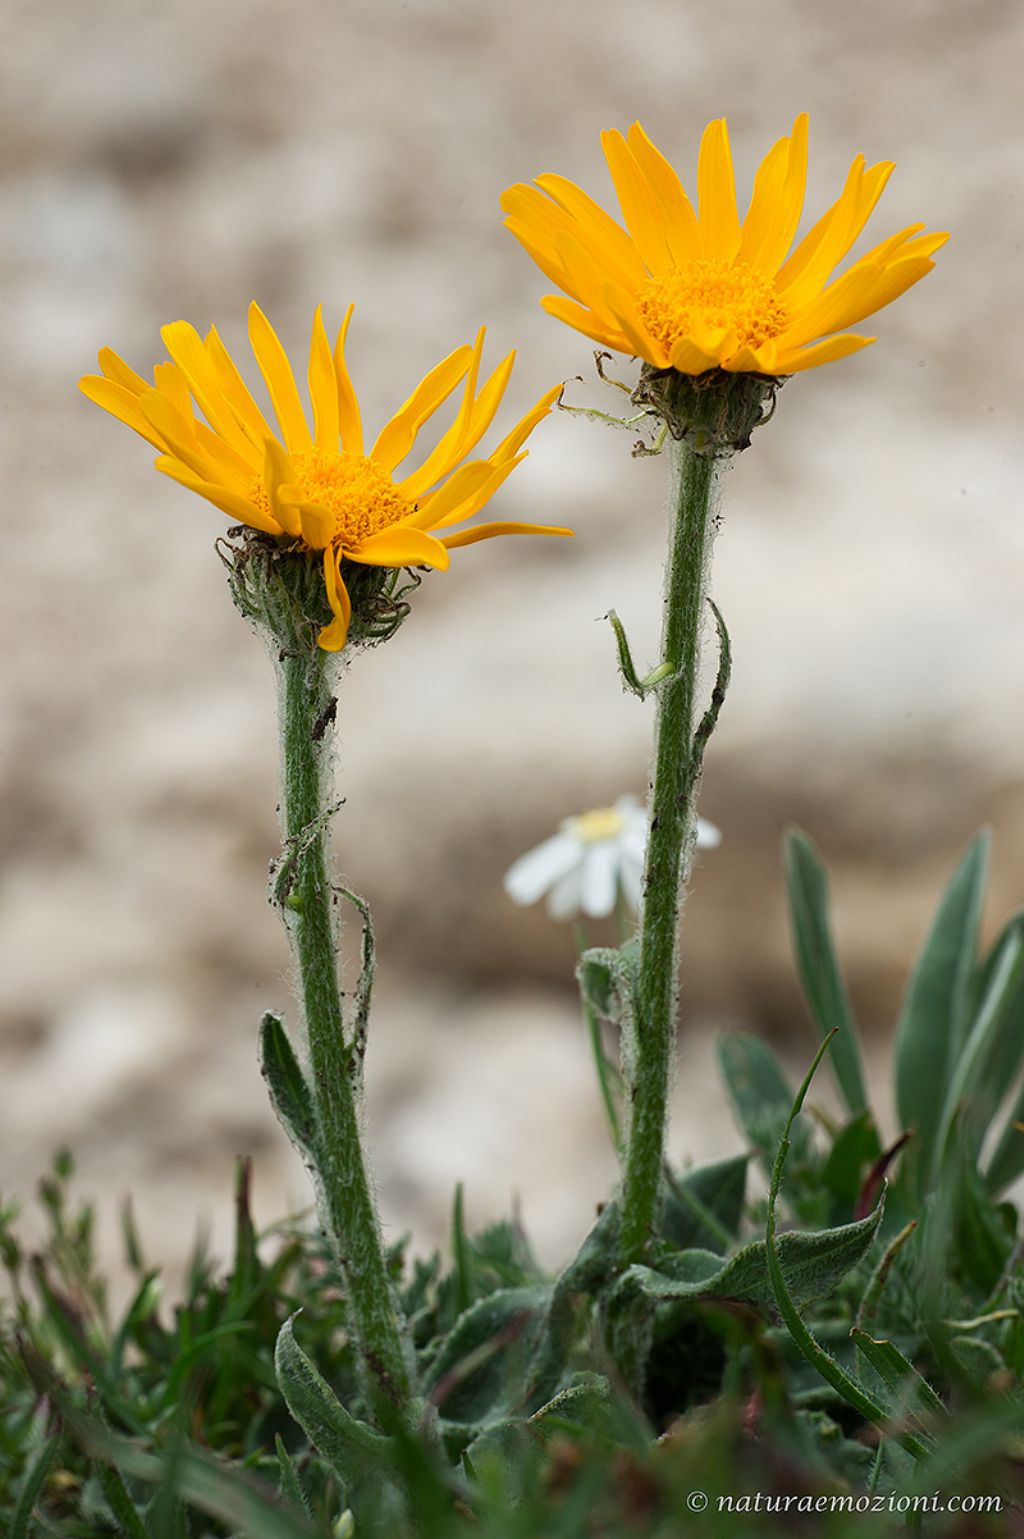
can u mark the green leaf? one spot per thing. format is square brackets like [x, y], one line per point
[703, 1207]
[587, 1273]
[979, 1360]
[231, 1495]
[1007, 1160]
[462, 1272]
[759, 1091]
[607, 977]
[985, 1240]
[68, 1327]
[933, 1023]
[126, 1514]
[855, 1150]
[823, 986]
[974, 1061]
[583, 1402]
[32, 1484]
[290, 1486]
[289, 1093]
[848, 1385]
[483, 1365]
[910, 1396]
[813, 1263]
[350, 1447]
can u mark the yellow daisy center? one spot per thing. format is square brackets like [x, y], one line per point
[712, 293]
[601, 823]
[357, 491]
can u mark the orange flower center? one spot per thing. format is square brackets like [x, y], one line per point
[355, 490]
[712, 293]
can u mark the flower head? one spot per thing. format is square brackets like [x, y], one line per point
[695, 289]
[595, 858]
[319, 488]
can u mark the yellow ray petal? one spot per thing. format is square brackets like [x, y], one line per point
[316, 522]
[121, 403]
[178, 435]
[401, 546]
[837, 307]
[474, 495]
[116, 369]
[638, 338]
[890, 282]
[277, 371]
[398, 436]
[236, 391]
[717, 341]
[822, 352]
[682, 231]
[688, 358]
[349, 416]
[927, 245]
[544, 218]
[751, 360]
[897, 248]
[716, 194]
[640, 208]
[233, 469]
[818, 254]
[769, 180]
[890, 247]
[185, 346]
[548, 261]
[592, 279]
[229, 502]
[463, 484]
[169, 381]
[511, 445]
[535, 218]
[333, 637]
[566, 249]
[323, 387]
[277, 473]
[449, 450]
[486, 405]
[489, 531]
[581, 319]
[598, 230]
[776, 202]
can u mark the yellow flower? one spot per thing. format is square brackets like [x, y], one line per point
[696, 289]
[320, 488]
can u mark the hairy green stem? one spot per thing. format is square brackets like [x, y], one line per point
[306, 899]
[672, 816]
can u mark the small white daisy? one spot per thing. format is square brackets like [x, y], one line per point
[591, 859]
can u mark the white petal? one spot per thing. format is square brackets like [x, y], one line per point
[633, 813]
[633, 841]
[598, 879]
[534, 873]
[564, 901]
[708, 836]
[631, 875]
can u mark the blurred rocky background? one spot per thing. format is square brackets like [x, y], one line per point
[176, 160]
